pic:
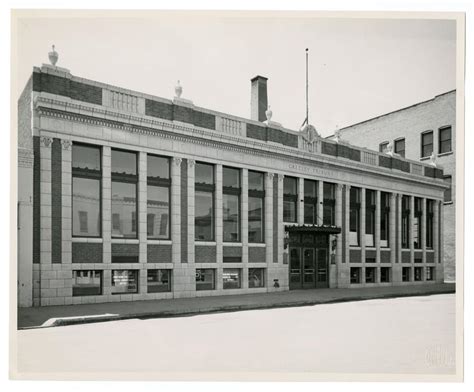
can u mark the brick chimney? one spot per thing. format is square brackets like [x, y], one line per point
[259, 99]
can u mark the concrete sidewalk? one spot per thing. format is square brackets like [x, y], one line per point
[76, 314]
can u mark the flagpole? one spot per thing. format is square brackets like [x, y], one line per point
[307, 115]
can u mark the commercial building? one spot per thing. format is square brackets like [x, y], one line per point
[127, 196]
[424, 132]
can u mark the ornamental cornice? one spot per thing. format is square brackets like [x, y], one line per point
[209, 138]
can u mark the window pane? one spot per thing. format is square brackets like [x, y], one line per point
[85, 207]
[400, 147]
[383, 147]
[231, 217]
[124, 281]
[310, 214]
[231, 278]
[205, 279]
[427, 144]
[328, 215]
[85, 157]
[256, 181]
[255, 219]
[445, 140]
[289, 211]
[124, 162]
[86, 283]
[256, 277]
[310, 188]
[158, 280]
[158, 166]
[124, 208]
[289, 186]
[204, 174]
[328, 191]
[158, 212]
[231, 177]
[204, 216]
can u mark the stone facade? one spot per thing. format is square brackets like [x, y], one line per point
[66, 113]
[410, 123]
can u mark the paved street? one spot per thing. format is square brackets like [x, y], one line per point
[412, 335]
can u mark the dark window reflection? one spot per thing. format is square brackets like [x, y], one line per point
[85, 207]
[123, 210]
[204, 216]
[158, 212]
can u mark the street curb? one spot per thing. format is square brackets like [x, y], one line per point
[62, 322]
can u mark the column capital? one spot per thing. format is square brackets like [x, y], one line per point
[191, 162]
[281, 177]
[177, 161]
[46, 141]
[66, 144]
[269, 175]
[339, 186]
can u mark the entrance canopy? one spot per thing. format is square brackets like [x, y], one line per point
[322, 229]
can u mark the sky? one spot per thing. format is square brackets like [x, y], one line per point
[358, 68]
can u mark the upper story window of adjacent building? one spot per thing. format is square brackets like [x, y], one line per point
[370, 197]
[429, 223]
[426, 144]
[124, 194]
[384, 219]
[256, 189]
[448, 195]
[290, 197]
[86, 191]
[158, 195]
[231, 204]
[383, 146]
[354, 216]
[204, 202]
[400, 147]
[311, 202]
[417, 237]
[405, 222]
[444, 140]
[329, 203]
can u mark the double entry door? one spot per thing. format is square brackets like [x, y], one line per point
[309, 266]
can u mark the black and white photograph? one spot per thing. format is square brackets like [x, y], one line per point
[237, 195]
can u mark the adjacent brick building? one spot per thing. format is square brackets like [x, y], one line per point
[416, 132]
[126, 196]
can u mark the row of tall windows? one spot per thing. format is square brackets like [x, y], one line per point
[417, 223]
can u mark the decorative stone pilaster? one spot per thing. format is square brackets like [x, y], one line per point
[142, 219]
[107, 218]
[281, 229]
[191, 204]
[338, 268]
[362, 229]
[347, 223]
[218, 222]
[176, 210]
[244, 199]
[320, 202]
[269, 218]
[377, 228]
[399, 227]
[423, 228]
[412, 229]
[440, 266]
[300, 202]
[392, 228]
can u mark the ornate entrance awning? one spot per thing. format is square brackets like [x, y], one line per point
[323, 229]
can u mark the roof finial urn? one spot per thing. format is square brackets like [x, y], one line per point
[178, 89]
[337, 135]
[433, 159]
[269, 113]
[53, 57]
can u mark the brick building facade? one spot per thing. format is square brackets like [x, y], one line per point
[126, 196]
[416, 132]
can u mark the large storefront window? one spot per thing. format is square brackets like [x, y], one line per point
[232, 278]
[256, 203]
[256, 277]
[158, 280]
[86, 282]
[205, 279]
[158, 195]
[329, 195]
[204, 202]
[354, 217]
[369, 217]
[384, 219]
[124, 194]
[231, 204]
[429, 223]
[290, 196]
[311, 202]
[86, 192]
[405, 222]
[417, 224]
[124, 281]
